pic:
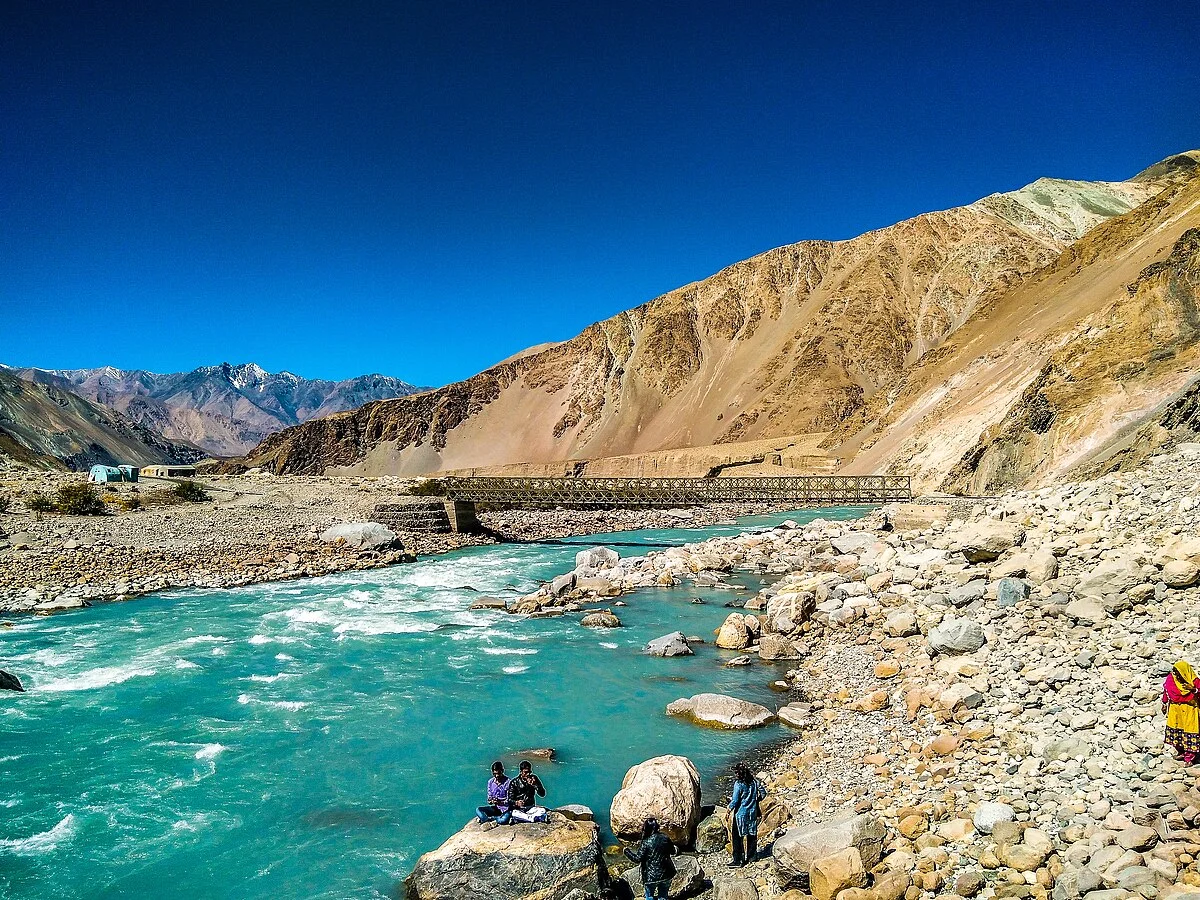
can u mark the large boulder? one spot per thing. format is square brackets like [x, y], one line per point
[673, 644]
[1111, 576]
[776, 646]
[954, 636]
[604, 618]
[596, 558]
[795, 852]
[789, 607]
[688, 880]
[667, 788]
[721, 711]
[359, 535]
[10, 682]
[830, 875]
[516, 862]
[987, 540]
[733, 634]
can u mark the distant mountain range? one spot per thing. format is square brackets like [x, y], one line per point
[223, 410]
[48, 425]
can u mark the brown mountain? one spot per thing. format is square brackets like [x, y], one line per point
[49, 426]
[871, 339]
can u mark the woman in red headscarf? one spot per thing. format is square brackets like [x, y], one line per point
[1181, 703]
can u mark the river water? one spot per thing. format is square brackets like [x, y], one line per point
[313, 738]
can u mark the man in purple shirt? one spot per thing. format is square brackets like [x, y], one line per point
[498, 808]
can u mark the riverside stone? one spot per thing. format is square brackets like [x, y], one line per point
[689, 878]
[673, 644]
[666, 788]
[989, 814]
[794, 853]
[733, 634]
[829, 875]
[604, 619]
[985, 541]
[547, 861]
[954, 636]
[721, 711]
[360, 535]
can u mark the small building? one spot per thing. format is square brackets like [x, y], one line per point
[129, 473]
[169, 471]
[104, 474]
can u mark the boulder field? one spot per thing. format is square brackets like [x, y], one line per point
[976, 699]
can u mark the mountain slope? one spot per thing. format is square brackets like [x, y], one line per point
[47, 425]
[812, 337]
[223, 409]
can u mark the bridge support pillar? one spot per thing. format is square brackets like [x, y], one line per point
[462, 516]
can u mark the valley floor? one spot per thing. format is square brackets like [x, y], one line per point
[253, 529]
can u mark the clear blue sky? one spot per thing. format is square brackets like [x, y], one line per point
[422, 189]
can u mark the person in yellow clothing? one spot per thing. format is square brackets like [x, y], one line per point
[1181, 703]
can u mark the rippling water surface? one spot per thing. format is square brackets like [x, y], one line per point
[311, 739]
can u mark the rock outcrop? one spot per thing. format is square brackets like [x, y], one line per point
[360, 535]
[517, 862]
[10, 682]
[666, 788]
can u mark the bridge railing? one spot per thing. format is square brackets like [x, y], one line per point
[823, 490]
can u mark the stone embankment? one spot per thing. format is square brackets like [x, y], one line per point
[977, 702]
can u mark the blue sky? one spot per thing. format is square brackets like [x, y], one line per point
[423, 189]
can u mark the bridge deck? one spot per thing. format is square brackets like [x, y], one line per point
[804, 490]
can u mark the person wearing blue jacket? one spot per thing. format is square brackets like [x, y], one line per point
[747, 794]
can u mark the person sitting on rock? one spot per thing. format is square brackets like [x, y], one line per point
[498, 808]
[654, 855]
[747, 795]
[1180, 696]
[521, 793]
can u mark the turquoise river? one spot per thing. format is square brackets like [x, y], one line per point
[310, 739]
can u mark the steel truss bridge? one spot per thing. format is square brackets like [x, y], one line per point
[665, 493]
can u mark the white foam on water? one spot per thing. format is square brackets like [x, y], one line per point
[185, 664]
[309, 616]
[205, 639]
[51, 658]
[383, 625]
[43, 842]
[97, 678]
[515, 670]
[608, 645]
[509, 651]
[259, 639]
[268, 679]
[290, 705]
[283, 657]
[210, 751]
[219, 651]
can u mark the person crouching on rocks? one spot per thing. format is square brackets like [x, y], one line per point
[654, 855]
[498, 808]
[747, 794]
[1180, 696]
[521, 793]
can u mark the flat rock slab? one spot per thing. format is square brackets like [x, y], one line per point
[721, 711]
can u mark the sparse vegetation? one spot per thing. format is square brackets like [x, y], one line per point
[38, 503]
[79, 500]
[430, 487]
[132, 502]
[190, 492]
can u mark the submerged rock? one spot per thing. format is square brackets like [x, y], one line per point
[721, 711]
[10, 682]
[545, 861]
[604, 619]
[665, 787]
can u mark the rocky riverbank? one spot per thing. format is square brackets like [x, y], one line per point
[253, 528]
[983, 693]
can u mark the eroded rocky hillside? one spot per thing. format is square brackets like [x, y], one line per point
[868, 338]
